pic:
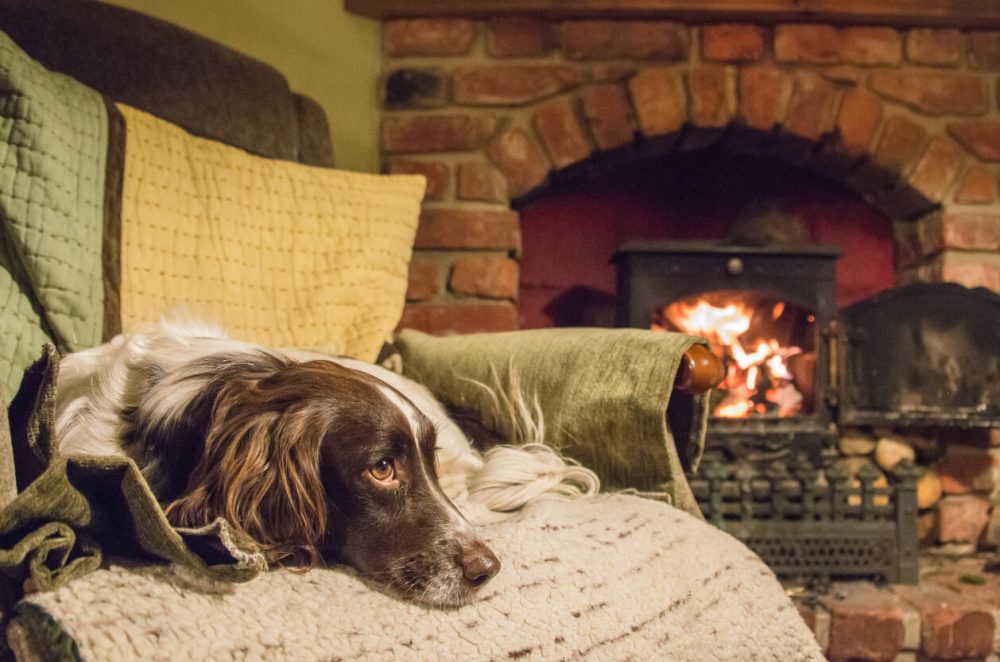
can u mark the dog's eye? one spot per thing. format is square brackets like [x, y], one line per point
[383, 471]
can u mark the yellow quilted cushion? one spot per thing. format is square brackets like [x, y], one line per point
[279, 253]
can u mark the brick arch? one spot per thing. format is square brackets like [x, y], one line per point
[917, 135]
[900, 164]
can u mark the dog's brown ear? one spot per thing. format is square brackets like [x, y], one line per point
[260, 471]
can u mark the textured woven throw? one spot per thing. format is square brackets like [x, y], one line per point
[603, 395]
[617, 577]
[278, 253]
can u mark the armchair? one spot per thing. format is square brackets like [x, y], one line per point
[610, 577]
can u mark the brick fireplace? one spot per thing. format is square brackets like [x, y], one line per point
[507, 113]
[497, 111]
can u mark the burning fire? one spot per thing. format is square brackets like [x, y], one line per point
[758, 380]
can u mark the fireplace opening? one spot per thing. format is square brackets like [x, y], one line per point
[768, 346]
[570, 233]
[837, 378]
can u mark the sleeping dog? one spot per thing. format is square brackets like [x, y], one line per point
[318, 459]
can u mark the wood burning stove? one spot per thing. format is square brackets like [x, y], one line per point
[769, 312]
[922, 355]
[912, 357]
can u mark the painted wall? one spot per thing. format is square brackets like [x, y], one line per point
[323, 51]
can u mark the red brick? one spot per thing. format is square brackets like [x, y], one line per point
[868, 45]
[931, 92]
[810, 111]
[435, 172]
[971, 274]
[962, 518]
[609, 40]
[764, 94]
[607, 111]
[970, 270]
[867, 623]
[934, 46]
[953, 625]
[807, 42]
[659, 101]
[901, 143]
[435, 133]
[962, 473]
[561, 133]
[858, 120]
[428, 36]
[511, 84]
[732, 42]
[966, 269]
[937, 167]
[517, 36]
[425, 279]
[479, 181]
[986, 49]
[981, 137]
[463, 228]
[487, 276]
[709, 91]
[978, 186]
[450, 319]
[970, 231]
[521, 161]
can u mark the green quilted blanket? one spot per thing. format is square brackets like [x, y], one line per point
[53, 151]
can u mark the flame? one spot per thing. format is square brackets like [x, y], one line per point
[758, 380]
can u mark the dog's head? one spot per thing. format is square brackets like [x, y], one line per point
[317, 461]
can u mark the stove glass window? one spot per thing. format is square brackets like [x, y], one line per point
[768, 345]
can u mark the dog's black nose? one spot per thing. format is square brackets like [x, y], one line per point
[480, 565]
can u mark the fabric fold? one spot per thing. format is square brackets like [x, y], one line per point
[81, 509]
[603, 395]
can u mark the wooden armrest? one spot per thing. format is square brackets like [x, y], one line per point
[700, 370]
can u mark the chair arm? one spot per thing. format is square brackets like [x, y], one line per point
[700, 370]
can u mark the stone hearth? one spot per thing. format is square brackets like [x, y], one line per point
[954, 614]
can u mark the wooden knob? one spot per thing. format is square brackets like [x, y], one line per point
[700, 370]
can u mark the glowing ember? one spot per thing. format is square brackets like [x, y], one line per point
[758, 379]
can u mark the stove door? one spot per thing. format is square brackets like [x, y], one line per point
[921, 355]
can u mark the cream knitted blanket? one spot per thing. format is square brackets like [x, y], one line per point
[613, 577]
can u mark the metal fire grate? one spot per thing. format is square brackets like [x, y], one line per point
[831, 523]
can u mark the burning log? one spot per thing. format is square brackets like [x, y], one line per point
[752, 337]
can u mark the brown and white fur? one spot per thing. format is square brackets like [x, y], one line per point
[318, 459]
